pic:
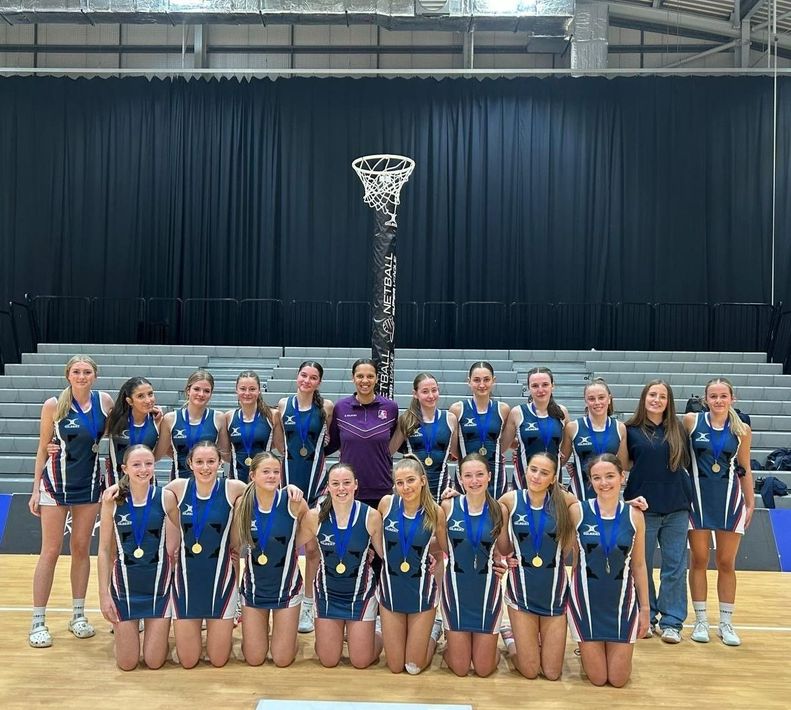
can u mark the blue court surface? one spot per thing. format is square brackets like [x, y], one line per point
[331, 705]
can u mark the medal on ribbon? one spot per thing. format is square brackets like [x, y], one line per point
[482, 427]
[89, 423]
[429, 439]
[537, 531]
[545, 426]
[136, 433]
[264, 528]
[474, 536]
[247, 432]
[342, 539]
[718, 438]
[599, 438]
[139, 524]
[608, 542]
[199, 519]
[407, 537]
[194, 433]
[303, 426]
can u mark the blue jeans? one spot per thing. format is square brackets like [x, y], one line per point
[671, 532]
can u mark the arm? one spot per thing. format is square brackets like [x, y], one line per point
[396, 441]
[453, 425]
[622, 454]
[508, 437]
[164, 447]
[746, 481]
[46, 431]
[640, 572]
[105, 561]
[107, 404]
[504, 546]
[223, 442]
[278, 435]
[334, 433]
[441, 533]
[373, 523]
[300, 511]
[569, 432]
[566, 417]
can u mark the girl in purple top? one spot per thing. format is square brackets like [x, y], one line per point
[361, 428]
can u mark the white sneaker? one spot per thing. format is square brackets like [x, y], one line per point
[728, 635]
[649, 633]
[305, 619]
[671, 635]
[700, 632]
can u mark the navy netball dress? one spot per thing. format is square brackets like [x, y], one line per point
[247, 440]
[438, 453]
[534, 435]
[146, 434]
[470, 440]
[717, 498]
[140, 585]
[603, 603]
[406, 586]
[271, 578]
[205, 585]
[184, 436]
[73, 475]
[587, 444]
[471, 592]
[345, 586]
[304, 464]
[538, 584]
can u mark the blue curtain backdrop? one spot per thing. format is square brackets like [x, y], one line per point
[576, 190]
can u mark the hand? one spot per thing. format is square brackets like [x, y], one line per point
[432, 564]
[294, 494]
[156, 412]
[644, 621]
[511, 561]
[750, 509]
[109, 612]
[53, 448]
[371, 554]
[499, 567]
[640, 503]
[449, 493]
[111, 493]
[34, 503]
[234, 555]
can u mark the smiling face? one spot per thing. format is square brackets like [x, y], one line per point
[204, 461]
[606, 480]
[308, 379]
[481, 381]
[341, 485]
[541, 473]
[364, 379]
[597, 400]
[266, 475]
[541, 387]
[139, 466]
[81, 375]
[656, 401]
[247, 390]
[143, 400]
[719, 398]
[199, 393]
[427, 393]
[474, 476]
[409, 483]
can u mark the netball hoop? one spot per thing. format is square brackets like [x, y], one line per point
[382, 177]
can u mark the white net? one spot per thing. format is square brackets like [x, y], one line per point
[383, 176]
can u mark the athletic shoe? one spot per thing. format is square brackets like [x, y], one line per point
[671, 635]
[649, 634]
[305, 619]
[728, 635]
[700, 632]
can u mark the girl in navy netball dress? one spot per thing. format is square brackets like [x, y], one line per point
[134, 420]
[269, 529]
[345, 588]
[541, 531]
[205, 578]
[481, 421]
[723, 501]
[608, 601]
[598, 432]
[471, 594]
[536, 426]
[69, 481]
[429, 433]
[183, 429]
[252, 427]
[407, 588]
[134, 562]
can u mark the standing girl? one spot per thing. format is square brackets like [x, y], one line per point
[723, 501]
[68, 481]
[134, 562]
[481, 421]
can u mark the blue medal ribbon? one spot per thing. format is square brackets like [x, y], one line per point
[599, 438]
[545, 427]
[265, 528]
[537, 531]
[608, 544]
[474, 536]
[193, 437]
[342, 540]
[429, 441]
[139, 524]
[199, 521]
[247, 431]
[483, 429]
[136, 434]
[89, 424]
[303, 425]
[407, 537]
[717, 437]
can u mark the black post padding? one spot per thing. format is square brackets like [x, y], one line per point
[383, 304]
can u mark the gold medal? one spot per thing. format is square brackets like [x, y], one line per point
[428, 461]
[248, 461]
[262, 559]
[303, 452]
[716, 467]
[537, 561]
[482, 451]
[340, 568]
[405, 566]
[138, 553]
[95, 448]
[197, 548]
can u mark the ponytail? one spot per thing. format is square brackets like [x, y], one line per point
[261, 406]
[495, 512]
[326, 504]
[318, 400]
[123, 482]
[244, 516]
[118, 419]
[409, 422]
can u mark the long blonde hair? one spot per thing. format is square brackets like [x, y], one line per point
[430, 508]
[564, 525]
[495, 513]
[244, 518]
[737, 426]
[64, 398]
[409, 422]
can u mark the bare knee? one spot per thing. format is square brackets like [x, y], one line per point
[461, 669]
[727, 566]
[618, 680]
[552, 673]
[360, 661]
[127, 664]
[528, 670]
[484, 670]
[394, 665]
[189, 661]
[218, 660]
[283, 660]
[597, 679]
[154, 663]
[254, 658]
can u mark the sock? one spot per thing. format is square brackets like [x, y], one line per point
[700, 611]
[307, 602]
[78, 605]
[436, 629]
[412, 668]
[39, 614]
[726, 614]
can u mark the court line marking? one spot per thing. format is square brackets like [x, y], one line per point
[68, 610]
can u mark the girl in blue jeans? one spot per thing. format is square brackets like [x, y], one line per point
[658, 453]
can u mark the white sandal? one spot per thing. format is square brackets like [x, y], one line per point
[81, 628]
[40, 637]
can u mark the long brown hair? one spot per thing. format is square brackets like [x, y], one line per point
[64, 398]
[553, 408]
[430, 508]
[318, 400]
[737, 426]
[244, 516]
[123, 482]
[409, 422]
[674, 432]
[261, 406]
[197, 376]
[495, 513]
[601, 383]
[326, 504]
[564, 525]
[118, 419]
